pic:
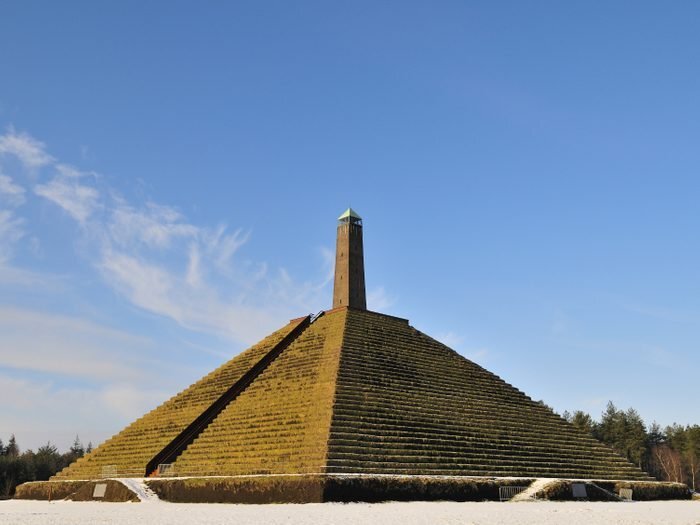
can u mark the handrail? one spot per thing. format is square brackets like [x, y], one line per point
[178, 445]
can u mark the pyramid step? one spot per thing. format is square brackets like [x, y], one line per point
[359, 393]
[168, 419]
[173, 449]
[281, 422]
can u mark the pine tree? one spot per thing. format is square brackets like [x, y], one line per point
[655, 435]
[635, 437]
[691, 455]
[77, 450]
[47, 461]
[611, 428]
[15, 468]
[584, 422]
[12, 449]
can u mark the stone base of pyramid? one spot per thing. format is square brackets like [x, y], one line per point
[321, 488]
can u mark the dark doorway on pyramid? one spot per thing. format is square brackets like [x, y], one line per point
[350, 392]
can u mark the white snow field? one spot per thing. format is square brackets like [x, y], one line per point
[529, 513]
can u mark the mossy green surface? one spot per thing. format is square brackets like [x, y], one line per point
[280, 423]
[47, 490]
[358, 392]
[649, 491]
[320, 488]
[115, 492]
[276, 489]
[604, 490]
[333, 488]
[388, 488]
[74, 491]
[407, 404]
[130, 450]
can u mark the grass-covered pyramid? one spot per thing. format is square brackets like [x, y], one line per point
[352, 392]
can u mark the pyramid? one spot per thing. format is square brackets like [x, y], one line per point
[352, 392]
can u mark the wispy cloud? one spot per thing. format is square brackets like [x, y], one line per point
[11, 225]
[194, 305]
[127, 401]
[75, 376]
[328, 257]
[66, 369]
[10, 192]
[161, 262]
[450, 339]
[71, 172]
[23, 279]
[10, 233]
[456, 342]
[379, 300]
[479, 355]
[78, 200]
[153, 226]
[68, 346]
[65, 411]
[29, 151]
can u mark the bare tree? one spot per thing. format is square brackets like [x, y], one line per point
[691, 454]
[668, 462]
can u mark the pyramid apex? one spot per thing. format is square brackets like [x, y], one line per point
[349, 214]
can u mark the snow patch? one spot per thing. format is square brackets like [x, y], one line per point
[138, 486]
[23, 512]
[536, 486]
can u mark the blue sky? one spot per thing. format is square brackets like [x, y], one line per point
[170, 175]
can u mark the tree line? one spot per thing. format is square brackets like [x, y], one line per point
[16, 467]
[668, 454]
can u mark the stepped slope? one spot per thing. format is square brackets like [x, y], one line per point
[407, 404]
[358, 392]
[130, 450]
[280, 424]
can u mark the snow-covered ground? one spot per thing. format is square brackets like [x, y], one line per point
[541, 513]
